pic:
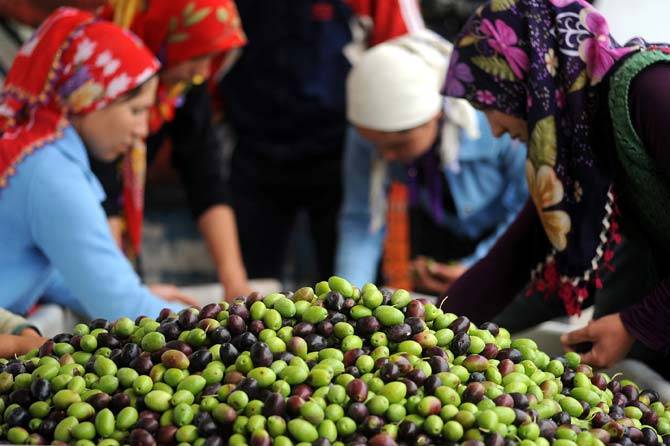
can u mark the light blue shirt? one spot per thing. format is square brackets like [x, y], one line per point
[56, 244]
[488, 191]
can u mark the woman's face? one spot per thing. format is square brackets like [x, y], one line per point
[404, 146]
[113, 130]
[502, 123]
[195, 71]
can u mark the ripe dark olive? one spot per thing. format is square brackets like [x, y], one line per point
[228, 354]
[431, 384]
[417, 376]
[366, 326]
[494, 439]
[336, 317]
[649, 436]
[599, 419]
[15, 368]
[412, 388]
[547, 429]
[18, 417]
[244, 341]
[148, 424]
[520, 417]
[353, 371]
[249, 386]
[119, 401]
[46, 428]
[334, 301]
[351, 356]
[416, 324]
[101, 323]
[256, 327]
[239, 310]
[214, 440]
[357, 412]
[261, 355]
[460, 344]
[40, 389]
[315, 343]
[399, 333]
[220, 335]
[474, 392]
[303, 329]
[142, 364]
[438, 364]
[490, 351]
[630, 392]
[275, 404]
[372, 425]
[510, 353]
[130, 352]
[390, 372]
[357, 390]
[181, 346]
[504, 400]
[460, 325]
[407, 431]
[491, 327]
[166, 435]
[209, 311]
[236, 325]
[46, 349]
[325, 328]
[108, 340]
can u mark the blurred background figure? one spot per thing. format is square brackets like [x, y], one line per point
[284, 101]
[464, 185]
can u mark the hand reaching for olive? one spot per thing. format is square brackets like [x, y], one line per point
[435, 277]
[171, 293]
[611, 341]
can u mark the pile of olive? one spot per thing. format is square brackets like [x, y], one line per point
[329, 365]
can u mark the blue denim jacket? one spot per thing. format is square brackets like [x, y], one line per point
[56, 244]
[488, 191]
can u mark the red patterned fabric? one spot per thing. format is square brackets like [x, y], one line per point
[72, 65]
[176, 31]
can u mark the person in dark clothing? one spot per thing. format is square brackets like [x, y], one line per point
[284, 100]
[194, 40]
[593, 113]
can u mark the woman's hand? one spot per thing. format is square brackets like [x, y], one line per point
[171, 293]
[435, 277]
[611, 341]
[12, 345]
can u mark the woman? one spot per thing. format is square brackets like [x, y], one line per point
[593, 113]
[442, 149]
[78, 84]
[194, 40]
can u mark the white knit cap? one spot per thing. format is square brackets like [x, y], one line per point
[396, 85]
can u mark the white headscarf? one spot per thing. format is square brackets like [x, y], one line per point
[396, 86]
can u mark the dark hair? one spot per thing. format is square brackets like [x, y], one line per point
[131, 94]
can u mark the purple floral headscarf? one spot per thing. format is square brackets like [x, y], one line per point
[542, 60]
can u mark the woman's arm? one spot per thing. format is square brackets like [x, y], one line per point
[493, 282]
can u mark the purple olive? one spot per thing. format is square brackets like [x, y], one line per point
[415, 309]
[491, 327]
[210, 311]
[399, 333]
[181, 346]
[382, 440]
[244, 341]
[389, 372]
[510, 353]
[460, 344]
[474, 393]
[236, 325]
[303, 329]
[367, 326]
[240, 310]
[490, 351]
[357, 390]
[372, 425]
[315, 342]
[220, 335]
[412, 388]
[460, 325]
[148, 424]
[256, 327]
[357, 412]
[335, 301]
[228, 354]
[504, 400]
[494, 439]
[431, 384]
[261, 355]
[521, 417]
[547, 429]
[630, 391]
[325, 328]
[407, 431]
[118, 402]
[166, 435]
[351, 356]
[40, 389]
[275, 404]
[99, 401]
[142, 364]
[600, 419]
[417, 376]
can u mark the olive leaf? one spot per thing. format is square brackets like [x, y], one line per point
[579, 83]
[188, 10]
[178, 37]
[222, 14]
[172, 24]
[542, 146]
[197, 16]
[501, 5]
[467, 40]
[495, 66]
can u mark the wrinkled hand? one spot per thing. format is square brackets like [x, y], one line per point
[611, 341]
[434, 277]
[171, 293]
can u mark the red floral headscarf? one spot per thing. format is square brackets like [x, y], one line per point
[72, 65]
[176, 31]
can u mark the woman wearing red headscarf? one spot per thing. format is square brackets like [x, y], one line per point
[194, 40]
[79, 87]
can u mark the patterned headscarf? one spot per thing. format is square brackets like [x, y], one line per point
[72, 65]
[542, 61]
[176, 31]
